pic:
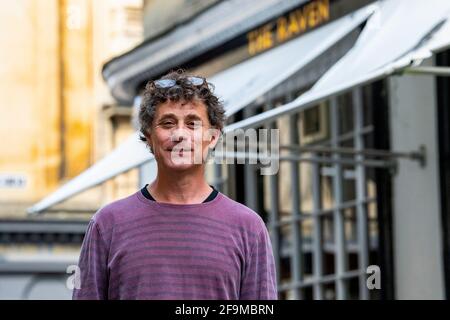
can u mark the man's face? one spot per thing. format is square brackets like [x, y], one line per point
[181, 134]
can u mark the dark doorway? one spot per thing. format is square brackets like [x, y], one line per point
[443, 120]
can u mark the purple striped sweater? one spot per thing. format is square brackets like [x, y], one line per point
[136, 248]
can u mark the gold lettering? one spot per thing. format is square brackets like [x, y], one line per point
[260, 39]
[324, 10]
[312, 14]
[282, 34]
[293, 25]
[251, 37]
[298, 21]
[259, 42]
[301, 20]
[267, 37]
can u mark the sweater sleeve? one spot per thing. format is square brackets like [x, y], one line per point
[93, 280]
[259, 281]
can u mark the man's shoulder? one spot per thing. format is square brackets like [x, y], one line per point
[110, 213]
[244, 216]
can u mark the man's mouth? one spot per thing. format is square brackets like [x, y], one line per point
[181, 150]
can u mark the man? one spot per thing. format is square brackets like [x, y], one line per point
[177, 238]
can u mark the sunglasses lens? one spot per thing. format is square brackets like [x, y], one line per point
[168, 83]
[196, 81]
[164, 83]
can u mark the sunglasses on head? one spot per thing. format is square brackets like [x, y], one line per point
[168, 83]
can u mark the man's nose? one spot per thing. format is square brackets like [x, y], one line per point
[179, 134]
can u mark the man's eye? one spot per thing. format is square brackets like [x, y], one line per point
[194, 124]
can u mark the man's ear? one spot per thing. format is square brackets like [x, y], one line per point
[214, 135]
[149, 143]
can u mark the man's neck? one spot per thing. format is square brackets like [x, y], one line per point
[180, 187]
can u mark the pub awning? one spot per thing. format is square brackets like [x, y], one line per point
[396, 39]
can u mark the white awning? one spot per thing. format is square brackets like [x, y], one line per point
[441, 39]
[398, 35]
[398, 30]
[130, 154]
[237, 86]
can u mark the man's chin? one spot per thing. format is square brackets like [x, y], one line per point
[180, 164]
[181, 167]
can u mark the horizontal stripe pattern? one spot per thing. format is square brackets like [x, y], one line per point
[136, 248]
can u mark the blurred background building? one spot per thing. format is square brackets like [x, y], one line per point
[358, 89]
[59, 120]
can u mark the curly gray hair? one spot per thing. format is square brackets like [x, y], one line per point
[184, 90]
